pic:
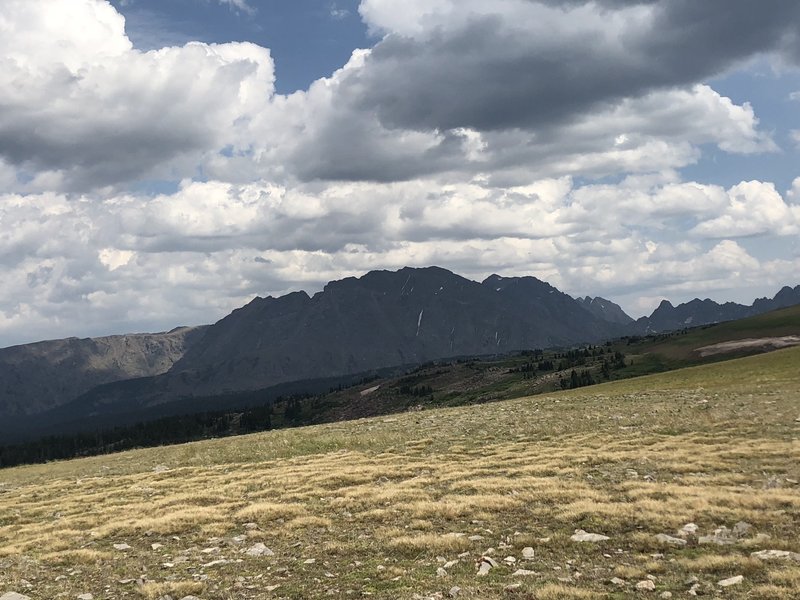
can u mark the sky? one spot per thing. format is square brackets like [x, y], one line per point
[163, 162]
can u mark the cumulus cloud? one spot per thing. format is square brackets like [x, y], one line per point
[518, 136]
[81, 104]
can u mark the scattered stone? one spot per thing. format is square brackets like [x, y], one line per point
[484, 569]
[509, 560]
[731, 581]
[122, 547]
[523, 573]
[156, 546]
[190, 598]
[488, 559]
[454, 591]
[670, 540]
[666, 595]
[160, 469]
[450, 564]
[646, 585]
[85, 597]
[14, 596]
[216, 563]
[514, 587]
[688, 530]
[544, 540]
[309, 561]
[618, 581]
[581, 536]
[272, 588]
[741, 529]
[528, 553]
[440, 572]
[475, 538]
[259, 549]
[212, 550]
[720, 537]
[250, 526]
[774, 555]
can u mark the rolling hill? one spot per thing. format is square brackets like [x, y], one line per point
[689, 478]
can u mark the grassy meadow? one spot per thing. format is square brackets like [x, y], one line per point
[406, 506]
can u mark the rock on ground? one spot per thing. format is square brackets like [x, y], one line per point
[582, 536]
[773, 555]
[14, 596]
[646, 585]
[731, 581]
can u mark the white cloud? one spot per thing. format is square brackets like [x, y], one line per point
[80, 103]
[752, 208]
[460, 139]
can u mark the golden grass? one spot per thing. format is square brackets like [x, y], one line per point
[406, 494]
[152, 591]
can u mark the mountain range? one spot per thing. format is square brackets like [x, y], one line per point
[297, 342]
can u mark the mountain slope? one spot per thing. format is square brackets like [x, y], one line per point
[379, 320]
[605, 309]
[705, 312]
[44, 375]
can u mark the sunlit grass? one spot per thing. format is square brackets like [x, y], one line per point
[375, 507]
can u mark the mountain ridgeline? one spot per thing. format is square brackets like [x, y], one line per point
[299, 343]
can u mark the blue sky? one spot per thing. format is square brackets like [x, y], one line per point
[308, 39]
[163, 162]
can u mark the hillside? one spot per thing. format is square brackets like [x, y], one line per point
[417, 504]
[752, 335]
[45, 375]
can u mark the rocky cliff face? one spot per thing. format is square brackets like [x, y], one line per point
[44, 375]
[705, 312]
[381, 319]
[605, 309]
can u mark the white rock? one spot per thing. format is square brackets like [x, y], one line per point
[440, 572]
[688, 529]
[512, 587]
[646, 585]
[484, 569]
[450, 564]
[720, 537]
[475, 538]
[309, 561]
[668, 539]
[488, 559]
[259, 549]
[731, 581]
[510, 560]
[523, 573]
[85, 597]
[618, 581]
[454, 591]
[666, 595]
[122, 547]
[581, 536]
[216, 563]
[156, 546]
[528, 553]
[14, 596]
[776, 555]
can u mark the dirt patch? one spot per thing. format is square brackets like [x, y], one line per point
[757, 344]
